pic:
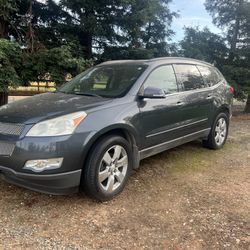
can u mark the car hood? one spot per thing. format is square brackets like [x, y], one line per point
[46, 106]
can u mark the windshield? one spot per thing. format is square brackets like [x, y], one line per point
[106, 81]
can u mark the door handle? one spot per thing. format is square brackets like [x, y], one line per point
[180, 103]
[209, 97]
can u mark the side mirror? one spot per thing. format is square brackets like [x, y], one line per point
[152, 93]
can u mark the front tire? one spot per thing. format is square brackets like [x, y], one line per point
[219, 132]
[108, 168]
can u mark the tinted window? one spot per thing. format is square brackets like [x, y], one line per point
[210, 75]
[162, 78]
[189, 77]
[108, 80]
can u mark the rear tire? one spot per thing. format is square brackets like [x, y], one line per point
[108, 168]
[219, 132]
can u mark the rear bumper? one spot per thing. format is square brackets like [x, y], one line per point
[56, 184]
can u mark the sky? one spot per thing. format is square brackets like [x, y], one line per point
[192, 13]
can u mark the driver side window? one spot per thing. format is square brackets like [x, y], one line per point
[163, 78]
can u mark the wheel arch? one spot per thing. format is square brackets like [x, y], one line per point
[224, 109]
[123, 130]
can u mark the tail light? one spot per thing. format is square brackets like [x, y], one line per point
[231, 89]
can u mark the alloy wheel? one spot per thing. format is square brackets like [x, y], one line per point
[220, 131]
[113, 168]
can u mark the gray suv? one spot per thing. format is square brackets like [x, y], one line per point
[96, 128]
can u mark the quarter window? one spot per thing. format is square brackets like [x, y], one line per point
[210, 75]
[163, 78]
[189, 77]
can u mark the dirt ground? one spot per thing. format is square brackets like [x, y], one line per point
[186, 198]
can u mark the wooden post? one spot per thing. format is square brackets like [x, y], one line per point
[3, 98]
[247, 107]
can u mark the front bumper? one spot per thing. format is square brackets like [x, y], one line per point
[63, 180]
[57, 184]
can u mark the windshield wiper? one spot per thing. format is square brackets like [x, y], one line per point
[86, 94]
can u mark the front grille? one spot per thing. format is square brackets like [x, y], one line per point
[6, 148]
[11, 128]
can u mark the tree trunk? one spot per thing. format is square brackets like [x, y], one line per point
[236, 30]
[88, 46]
[247, 107]
[30, 33]
[3, 28]
[86, 41]
[3, 98]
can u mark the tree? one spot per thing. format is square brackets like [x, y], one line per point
[55, 38]
[230, 15]
[10, 65]
[52, 64]
[28, 59]
[7, 8]
[234, 17]
[146, 24]
[204, 45]
[100, 25]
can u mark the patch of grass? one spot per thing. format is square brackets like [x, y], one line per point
[193, 157]
[191, 160]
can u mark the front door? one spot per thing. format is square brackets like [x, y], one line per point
[161, 118]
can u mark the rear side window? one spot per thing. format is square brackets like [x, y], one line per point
[220, 76]
[189, 77]
[163, 78]
[210, 75]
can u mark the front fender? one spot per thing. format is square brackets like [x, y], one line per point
[126, 129]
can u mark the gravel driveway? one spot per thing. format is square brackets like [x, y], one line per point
[185, 198]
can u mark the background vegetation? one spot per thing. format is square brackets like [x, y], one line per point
[45, 40]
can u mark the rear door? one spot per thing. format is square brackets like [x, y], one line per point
[212, 78]
[198, 98]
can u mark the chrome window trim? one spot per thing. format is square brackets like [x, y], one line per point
[192, 91]
[179, 90]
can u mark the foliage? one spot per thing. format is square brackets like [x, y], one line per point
[10, 64]
[121, 53]
[56, 39]
[147, 24]
[239, 77]
[53, 65]
[204, 45]
[234, 17]
[7, 8]
[129, 24]
[17, 66]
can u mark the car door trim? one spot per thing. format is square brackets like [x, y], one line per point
[144, 153]
[172, 129]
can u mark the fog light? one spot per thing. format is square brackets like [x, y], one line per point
[45, 164]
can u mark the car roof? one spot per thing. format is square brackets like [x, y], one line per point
[159, 60]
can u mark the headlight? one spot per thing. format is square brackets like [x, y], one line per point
[63, 125]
